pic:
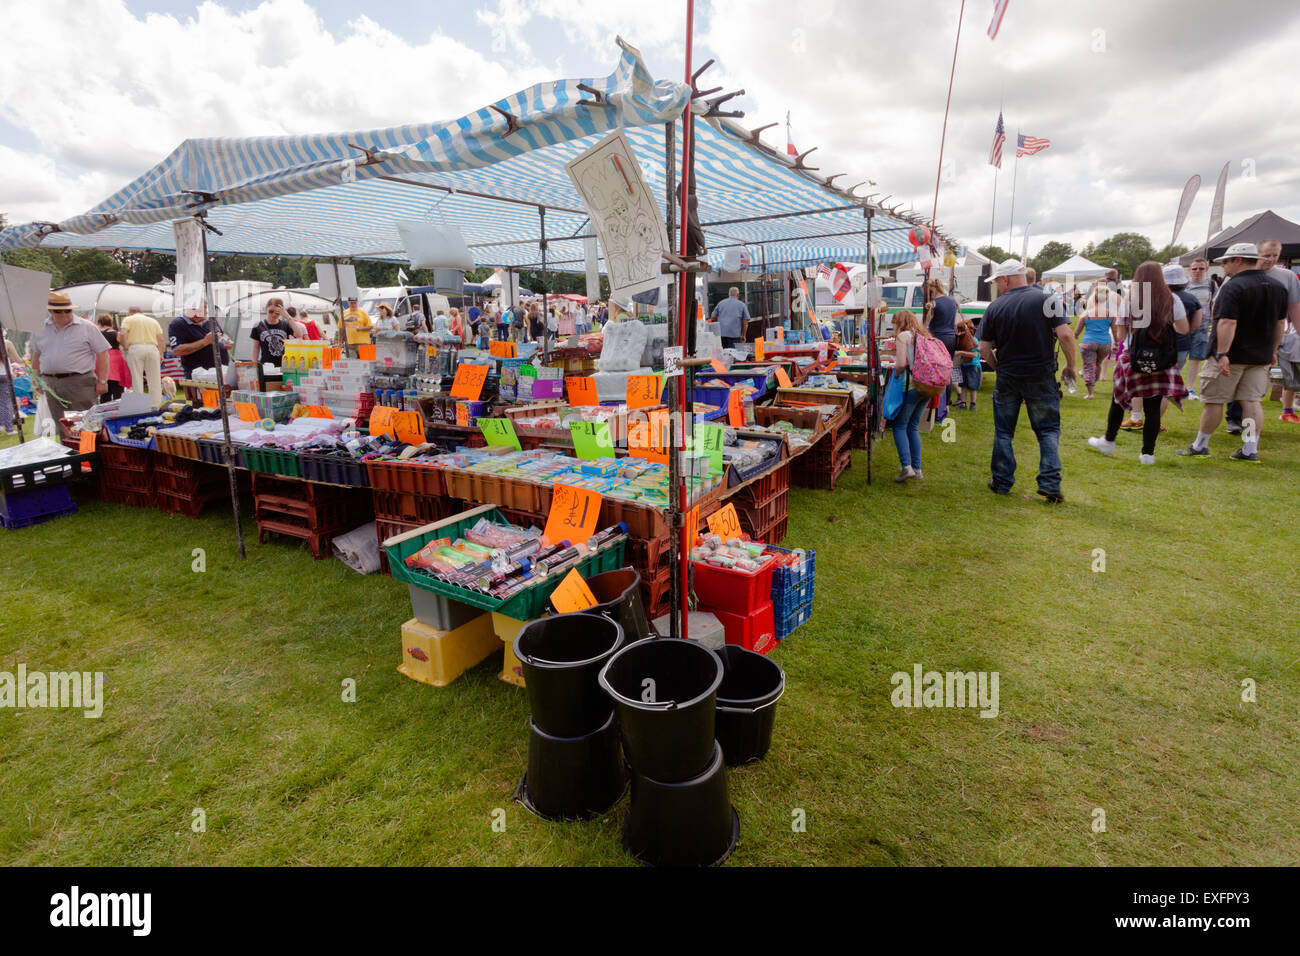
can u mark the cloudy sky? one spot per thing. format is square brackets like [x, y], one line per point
[1134, 96]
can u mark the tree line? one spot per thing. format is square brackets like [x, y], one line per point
[1124, 251]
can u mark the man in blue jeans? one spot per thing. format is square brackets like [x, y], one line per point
[1018, 338]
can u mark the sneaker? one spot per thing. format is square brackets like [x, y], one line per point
[1242, 455]
[1146, 459]
[1130, 423]
[996, 490]
[917, 474]
[904, 474]
[1291, 417]
[1234, 429]
[1191, 393]
[1101, 445]
[1053, 497]
[1193, 450]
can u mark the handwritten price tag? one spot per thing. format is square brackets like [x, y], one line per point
[783, 379]
[643, 390]
[692, 526]
[499, 431]
[582, 390]
[209, 396]
[503, 349]
[319, 411]
[247, 411]
[725, 523]
[717, 366]
[648, 436]
[591, 439]
[759, 353]
[735, 409]
[573, 516]
[87, 445]
[468, 382]
[572, 594]
[709, 438]
[381, 420]
[409, 427]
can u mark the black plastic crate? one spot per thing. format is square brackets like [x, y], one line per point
[334, 470]
[46, 474]
[212, 451]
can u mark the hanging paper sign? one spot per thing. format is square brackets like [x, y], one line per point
[573, 516]
[572, 594]
[725, 523]
[692, 526]
[643, 390]
[247, 411]
[710, 438]
[783, 379]
[673, 358]
[503, 349]
[582, 390]
[759, 352]
[591, 439]
[735, 409]
[209, 397]
[409, 427]
[499, 431]
[381, 420]
[468, 382]
[717, 366]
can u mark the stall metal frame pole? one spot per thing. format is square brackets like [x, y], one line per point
[338, 292]
[681, 607]
[4, 357]
[677, 596]
[546, 315]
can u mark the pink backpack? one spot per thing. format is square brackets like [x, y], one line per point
[931, 367]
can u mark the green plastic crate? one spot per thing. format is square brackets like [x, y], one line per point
[273, 461]
[525, 605]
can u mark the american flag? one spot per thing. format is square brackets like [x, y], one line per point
[999, 137]
[999, 10]
[1031, 144]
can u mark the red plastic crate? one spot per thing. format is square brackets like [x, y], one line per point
[409, 477]
[385, 529]
[140, 482]
[406, 506]
[753, 632]
[756, 520]
[764, 489]
[135, 499]
[737, 592]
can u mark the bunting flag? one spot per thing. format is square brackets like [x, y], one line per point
[1216, 208]
[999, 137]
[999, 10]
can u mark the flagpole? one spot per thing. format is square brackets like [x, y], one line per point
[1011, 226]
[994, 214]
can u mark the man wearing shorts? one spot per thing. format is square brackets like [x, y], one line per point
[1289, 354]
[1249, 316]
[1199, 286]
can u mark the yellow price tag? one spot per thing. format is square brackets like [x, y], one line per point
[725, 523]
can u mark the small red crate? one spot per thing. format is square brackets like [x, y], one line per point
[737, 592]
[753, 632]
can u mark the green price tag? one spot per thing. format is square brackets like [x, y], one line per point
[499, 431]
[528, 370]
[710, 438]
[591, 440]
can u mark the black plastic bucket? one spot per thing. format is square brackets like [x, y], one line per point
[573, 778]
[751, 686]
[689, 823]
[561, 657]
[618, 594]
[668, 724]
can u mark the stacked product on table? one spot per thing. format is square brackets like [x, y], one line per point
[345, 388]
[733, 580]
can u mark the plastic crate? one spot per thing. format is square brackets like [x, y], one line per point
[46, 474]
[276, 405]
[191, 506]
[726, 589]
[386, 528]
[334, 470]
[126, 421]
[212, 451]
[755, 631]
[758, 518]
[792, 579]
[178, 446]
[758, 379]
[406, 476]
[775, 533]
[404, 506]
[787, 621]
[142, 482]
[189, 486]
[28, 507]
[525, 605]
[738, 476]
[136, 499]
[764, 489]
[274, 461]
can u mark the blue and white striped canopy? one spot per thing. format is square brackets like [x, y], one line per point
[342, 194]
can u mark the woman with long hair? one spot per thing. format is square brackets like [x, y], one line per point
[906, 424]
[1151, 317]
[1093, 333]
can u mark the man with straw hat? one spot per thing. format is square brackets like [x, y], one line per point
[70, 358]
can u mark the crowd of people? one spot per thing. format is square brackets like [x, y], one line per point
[1169, 330]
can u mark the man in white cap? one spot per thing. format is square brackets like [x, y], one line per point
[1018, 337]
[1249, 318]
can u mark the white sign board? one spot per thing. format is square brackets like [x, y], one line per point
[24, 294]
[624, 213]
[329, 288]
[673, 357]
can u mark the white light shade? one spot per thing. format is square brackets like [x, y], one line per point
[432, 246]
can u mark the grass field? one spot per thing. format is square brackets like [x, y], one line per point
[1120, 691]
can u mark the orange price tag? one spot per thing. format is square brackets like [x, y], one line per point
[409, 427]
[581, 390]
[725, 523]
[758, 350]
[88, 442]
[780, 333]
[468, 382]
[381, 420]
[573, 517]
[717, 366]
[319, 411]
[503, 349]
[782, 379]
[572, 594]
[643, 390]
[209, 396]
[247, 411]
[735, 409]
[462, 413]
[692, 526]
[648, 436]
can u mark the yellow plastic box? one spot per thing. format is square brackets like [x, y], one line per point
[512, 672]
[438, 657]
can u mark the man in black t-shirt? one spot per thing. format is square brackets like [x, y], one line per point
[1249, 318]
[270, 334]
[189, 337]
[1018, 338]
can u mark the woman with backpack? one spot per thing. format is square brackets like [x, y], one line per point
[1150, 319]
[906, 421]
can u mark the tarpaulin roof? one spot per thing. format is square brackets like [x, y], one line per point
[1264, 225]
[341, 194]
